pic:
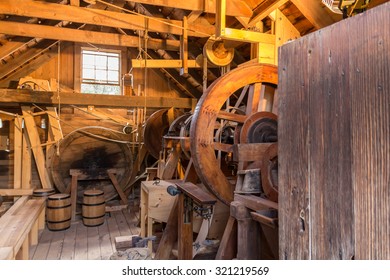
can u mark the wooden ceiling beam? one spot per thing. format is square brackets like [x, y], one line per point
[97, 100]
[237, 8]
[22, 59]
[264, 10]
[75, 35]
[314, 12]
[52, 11]
[163, 63]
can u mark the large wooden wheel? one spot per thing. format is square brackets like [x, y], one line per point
[241, 89]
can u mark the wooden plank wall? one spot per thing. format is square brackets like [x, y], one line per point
[334, 141]
[54, 68]
[69, 73]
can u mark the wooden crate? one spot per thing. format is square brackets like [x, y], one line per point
[334, 141]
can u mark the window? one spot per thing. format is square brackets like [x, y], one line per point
[100, 72]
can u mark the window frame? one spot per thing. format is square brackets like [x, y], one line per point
[78, 64]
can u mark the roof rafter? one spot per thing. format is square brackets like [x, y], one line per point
[237, 8]
[75, 35]
[100, 17]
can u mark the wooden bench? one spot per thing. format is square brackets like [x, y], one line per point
[19, 227]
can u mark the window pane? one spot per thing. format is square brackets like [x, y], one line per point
[88, 60]
[113, 63]
[113, 76]
[101, 75]
[88, 74]
[101, 62]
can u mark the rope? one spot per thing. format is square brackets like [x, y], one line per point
[98, 136]
[90, 133]
[146, 68]
[58, 90]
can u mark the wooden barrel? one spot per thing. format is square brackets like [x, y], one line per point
[37, 193]
[94, 208]
[59, 213]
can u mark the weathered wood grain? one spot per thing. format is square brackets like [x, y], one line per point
[293, 158]
[334, 141]
[370, 127]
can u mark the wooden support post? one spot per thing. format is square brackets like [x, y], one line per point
[228, 247]
[18, 146]
[54, 127]
[33, 235]
[184, 48]
[160, 166]
[118, 188]
[171, 164]
[220, 18]
[36, 147]
[142, 151]
[149, 232]
[247, 232]
[73, 196]
[26, 162]
[170, 234]
[185, 217]
[41, 219]
[23, 253]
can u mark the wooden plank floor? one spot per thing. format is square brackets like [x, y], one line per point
[86, 243]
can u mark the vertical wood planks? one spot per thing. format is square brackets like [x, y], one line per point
[370, 92]
[334, 89]
[293, 122]
[331, 193]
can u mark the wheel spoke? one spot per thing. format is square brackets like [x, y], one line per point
[228, 148]
[231, 117]
[266, 104]
[242, 95]
[254, 98]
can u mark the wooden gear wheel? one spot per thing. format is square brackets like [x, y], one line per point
[260, 127]
[216, 52]
[156, 126]
[269, 172]
[220, 104]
